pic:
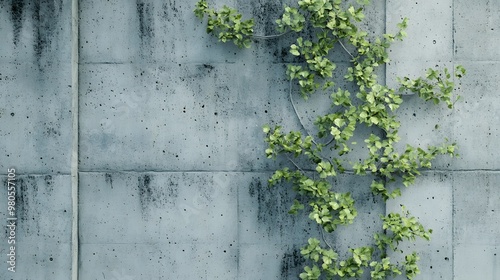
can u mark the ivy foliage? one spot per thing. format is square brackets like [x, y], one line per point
[226, 24]
[335, 24]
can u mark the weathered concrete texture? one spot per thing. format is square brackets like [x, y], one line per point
[181, 224]
[430, 199]
[35, 112]
[429, 29]
[157, 207]
[37, 31]
[219, 223]
[477, 32]
[128, 261]
[176, 225]
[43, 233]
[35, 126]
[35, 115]
[179, 117]
[151, 31]
[476, 225]
[477, 122]
[173, 175]
[428, 45]
[423, 124]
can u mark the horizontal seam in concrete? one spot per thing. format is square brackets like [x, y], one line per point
[227, 171]
[190, 242]
[475, 60]
[38, 174]
[166, 63]
[269, 171]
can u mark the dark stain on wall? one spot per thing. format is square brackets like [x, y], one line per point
[16, 16]
[27, 208]
[46, 16]
[172, 191]
[291, 263]
[49, 181]
[208, 67]
[22, 200]
[52, 129]
[268, 200]
[170, 10]
[155, 195]
[145, 191]
[41, 18]
[265, 14]
[146, 24]
[109, 179]
[29, 188]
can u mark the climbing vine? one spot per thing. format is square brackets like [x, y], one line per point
[335, 24]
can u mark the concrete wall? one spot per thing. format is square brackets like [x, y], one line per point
[172, 173]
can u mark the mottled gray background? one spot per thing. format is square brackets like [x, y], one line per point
[172, 171]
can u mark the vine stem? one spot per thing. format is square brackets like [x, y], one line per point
[345, 49]
[300, 119]
[296, 165]
[324, 238]
[297, 113]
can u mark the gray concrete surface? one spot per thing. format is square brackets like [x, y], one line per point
[172, 171]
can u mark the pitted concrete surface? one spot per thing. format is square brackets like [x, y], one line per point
[172, 171]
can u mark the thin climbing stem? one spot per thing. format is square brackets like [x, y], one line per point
[295, 164]
[345, 49]
[297, 113]
[324, 238]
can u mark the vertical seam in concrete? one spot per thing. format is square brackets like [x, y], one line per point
[453, 135]
[453, 224]
[453, 32]
[238, 241]
[74, 152]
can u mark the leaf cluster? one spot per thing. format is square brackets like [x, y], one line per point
[226, 24]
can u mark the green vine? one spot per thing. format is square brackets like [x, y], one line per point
[335, 24]
[227, 24]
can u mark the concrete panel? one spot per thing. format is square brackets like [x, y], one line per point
[476, 225]
[157, 261]
[179, 117]
[43, 232]
[477, 35]
[156, 208]
[423, 123]
[430, 199]
[477, 203]
[429, 30]
[476, 261]
[163, 226]
[477, 122]
[149, 31]
[35, 112]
